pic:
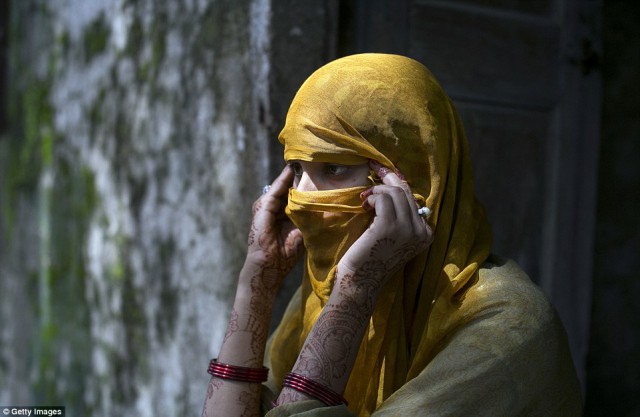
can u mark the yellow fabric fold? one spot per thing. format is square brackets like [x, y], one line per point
[388, 108]
[330, 221]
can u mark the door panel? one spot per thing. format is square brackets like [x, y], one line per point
[513, 201]
[543, 8]
[474, 57]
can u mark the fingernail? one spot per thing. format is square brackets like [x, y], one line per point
[380, 170]
[366, 193]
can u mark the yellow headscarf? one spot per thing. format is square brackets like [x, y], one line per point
[391, 109]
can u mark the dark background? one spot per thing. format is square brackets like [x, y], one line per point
[613, 363]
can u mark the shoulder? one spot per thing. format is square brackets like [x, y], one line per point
[501, 351]
[509, 317]
[503, 286]
[506, 309]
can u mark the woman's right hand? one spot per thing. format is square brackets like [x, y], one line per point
[274, 246]
[274, 243]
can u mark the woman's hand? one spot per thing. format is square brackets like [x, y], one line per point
[274, 246]
[396, 235]
[274, 243]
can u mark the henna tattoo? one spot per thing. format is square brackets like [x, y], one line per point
[386, 257]
[232, 327]
[363, 286]
[215, 384]
[335, 338]
[258, 330]
[257, 205]
[277, 255]
[254, 325]
[289, 395]
[252, 235]
[328, 354]
[249, 399]
[334, 341]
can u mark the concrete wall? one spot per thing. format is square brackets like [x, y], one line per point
[136, 142]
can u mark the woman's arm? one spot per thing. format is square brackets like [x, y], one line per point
[274, 246]
[395, 236]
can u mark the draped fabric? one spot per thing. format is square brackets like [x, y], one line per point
[391, 109]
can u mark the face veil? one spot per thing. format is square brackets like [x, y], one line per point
[391, 109]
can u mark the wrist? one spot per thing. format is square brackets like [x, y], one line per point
[255, 304]
[257, 279]
[245, 338]
[359, 285]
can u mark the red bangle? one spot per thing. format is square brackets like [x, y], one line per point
[237, 373]
[310, 387]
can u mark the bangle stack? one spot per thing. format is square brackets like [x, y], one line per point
[237, 373]
[310, 387]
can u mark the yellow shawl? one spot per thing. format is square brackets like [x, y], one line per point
[390, 108]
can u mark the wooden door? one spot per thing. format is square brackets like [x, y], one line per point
[524, 76]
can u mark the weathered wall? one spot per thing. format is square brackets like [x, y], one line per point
[137, 138]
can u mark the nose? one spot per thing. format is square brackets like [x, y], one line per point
[305, 183]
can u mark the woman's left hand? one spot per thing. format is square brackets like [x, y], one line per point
[396, 235]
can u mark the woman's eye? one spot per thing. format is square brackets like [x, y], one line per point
[336, 170]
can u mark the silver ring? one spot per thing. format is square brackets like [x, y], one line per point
[424, 212]
[266, 188]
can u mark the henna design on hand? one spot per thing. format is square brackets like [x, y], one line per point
[275, 253]
[391, 258]
[249, 398]
[332, 345]
[252, 235]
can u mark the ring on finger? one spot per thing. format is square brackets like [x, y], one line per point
[266, 188]
[424, 212]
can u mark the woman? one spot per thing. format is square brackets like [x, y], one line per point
[402, 310]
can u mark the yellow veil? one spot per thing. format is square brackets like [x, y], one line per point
[390, 108]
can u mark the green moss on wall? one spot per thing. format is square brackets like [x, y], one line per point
[135, 39]
[62, 207]
[95, 38]
[29, 147]
[134, 360]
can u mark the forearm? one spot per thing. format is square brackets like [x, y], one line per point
[243, 345]
[330, 350]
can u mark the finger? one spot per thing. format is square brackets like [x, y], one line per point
[391, 177]
[393, 210]
[276, 196]
[293, 243]
[280, 186]
[382, 172]
[403, 206]
[383, 205]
